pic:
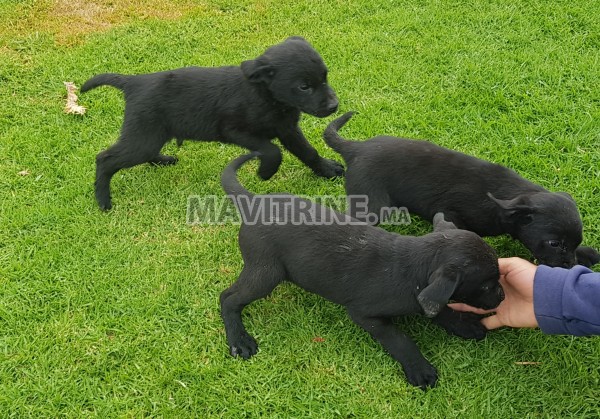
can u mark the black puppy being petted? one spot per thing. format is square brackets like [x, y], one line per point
[474, 194]
[249, 105]
[376, 275]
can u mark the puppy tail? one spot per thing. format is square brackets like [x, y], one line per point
[229, 181]
[111, 79]
[334, 140]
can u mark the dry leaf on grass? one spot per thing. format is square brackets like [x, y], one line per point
[71, 106]
[23, 173]
[527, 363]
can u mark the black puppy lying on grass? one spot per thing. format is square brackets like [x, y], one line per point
[375, 274]
[248, 105]
[474, 194]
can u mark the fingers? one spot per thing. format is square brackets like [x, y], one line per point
[508, 264]
[492, 322]
[469, 309]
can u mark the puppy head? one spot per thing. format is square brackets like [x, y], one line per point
[547, 223]
[295, 75]
[465, 269]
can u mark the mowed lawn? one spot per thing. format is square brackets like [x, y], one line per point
[116, 314]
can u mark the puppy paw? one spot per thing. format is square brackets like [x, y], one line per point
[105, 204]
[162, 160]
[245, 346]
[266, 173]
[468, 326]
[422, 376]
[329, 169]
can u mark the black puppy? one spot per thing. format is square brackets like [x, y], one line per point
[248, 105]
[474, 194]
[375, 274]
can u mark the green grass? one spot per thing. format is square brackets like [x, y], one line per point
[116, 314]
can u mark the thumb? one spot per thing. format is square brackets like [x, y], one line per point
[506, 265]
[492, 322]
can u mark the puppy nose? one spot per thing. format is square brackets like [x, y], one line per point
[333, 105]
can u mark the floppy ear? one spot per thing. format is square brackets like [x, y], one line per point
[517, 210]
[440, 223]
[257, 71]
[442, 284]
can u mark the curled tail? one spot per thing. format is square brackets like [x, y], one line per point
[334, 140]
[229, 181]
[112, 79]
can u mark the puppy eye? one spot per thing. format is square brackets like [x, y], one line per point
[305, 87]
[554, 243]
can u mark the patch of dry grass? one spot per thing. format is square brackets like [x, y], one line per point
[68, 21]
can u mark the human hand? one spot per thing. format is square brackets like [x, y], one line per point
[516, 310]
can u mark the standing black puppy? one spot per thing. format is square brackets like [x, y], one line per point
[375, 274]
[474, 194]
[248, 105]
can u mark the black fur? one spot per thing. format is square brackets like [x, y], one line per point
[247, 105]
[474, 194]
[375, 274]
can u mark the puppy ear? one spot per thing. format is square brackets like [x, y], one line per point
[518, 209]
[442, 284]
[440, 223]
[587, 256]
[257, 71]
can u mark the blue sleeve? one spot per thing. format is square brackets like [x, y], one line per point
[567, 301]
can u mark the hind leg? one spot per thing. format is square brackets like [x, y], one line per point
[255, 282]
[123, 154]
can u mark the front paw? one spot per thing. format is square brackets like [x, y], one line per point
[244, 346]
[104, 201]
[422, 376]
[467, 326]
[329, 169]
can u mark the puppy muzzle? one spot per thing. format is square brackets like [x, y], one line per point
[327, 108]
[560, 263]
[491, 300]
[333, 106]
